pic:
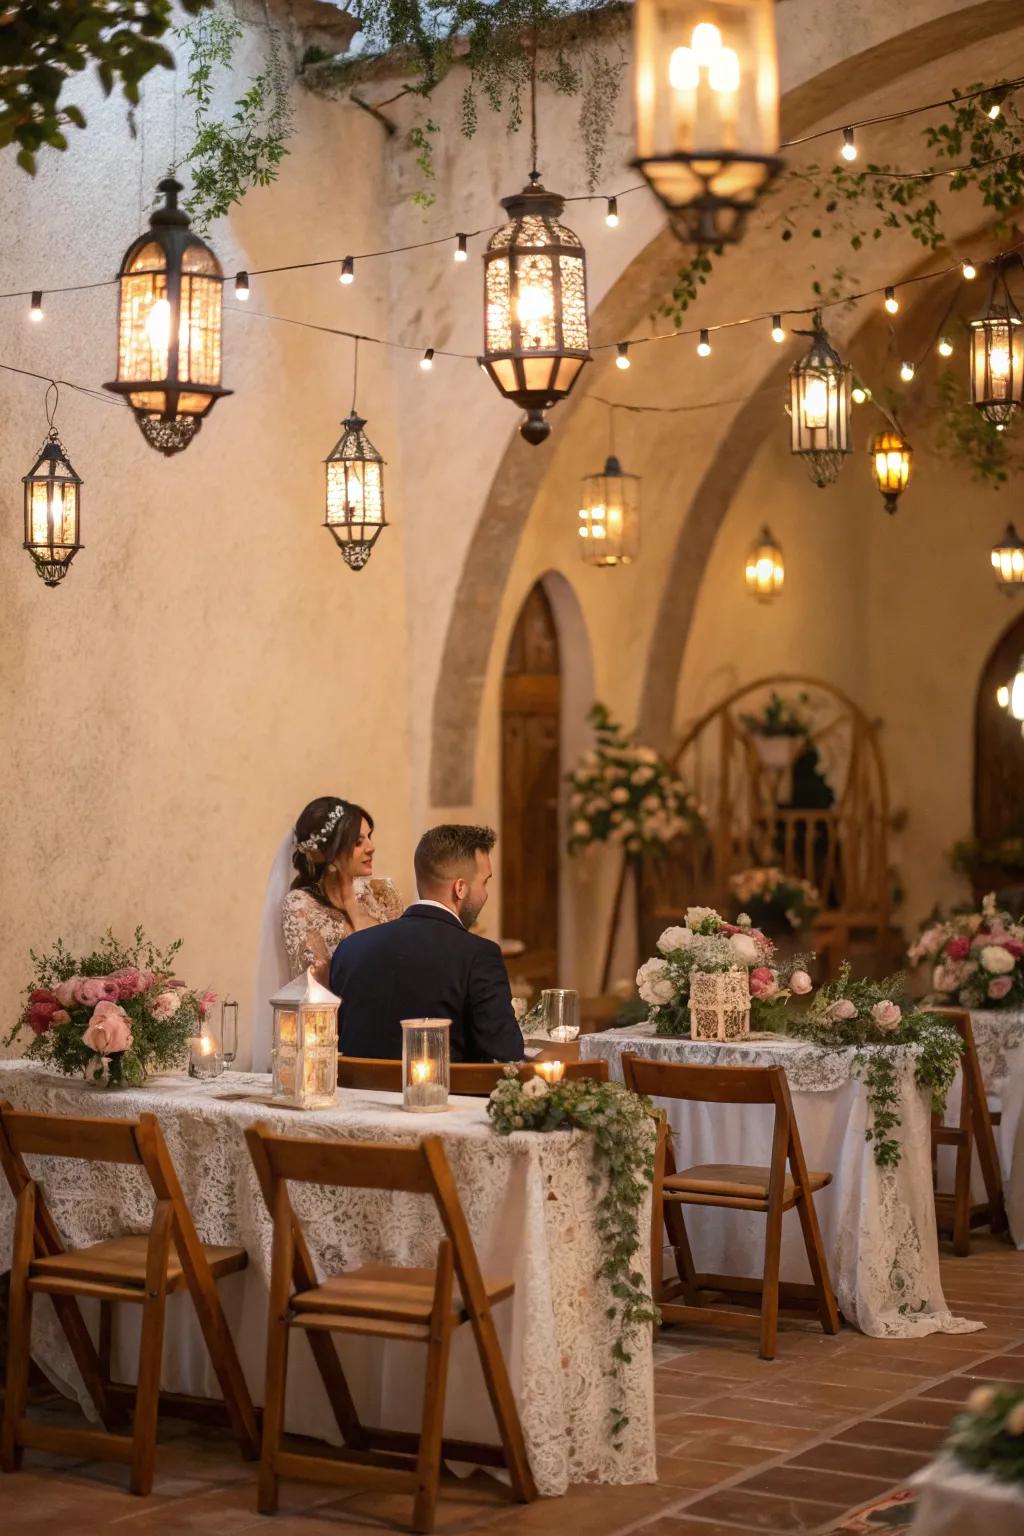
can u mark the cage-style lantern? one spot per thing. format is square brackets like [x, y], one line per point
[426, 1057]
[168, 341]
[1008, 560]
[536, 333]
[707, 110]
[820, 407]
[609, 525]
[53, 494]
[765, 569]
[891, 455]
[997, 354]
[304, 1057]
[355, 493]
[1016, 702]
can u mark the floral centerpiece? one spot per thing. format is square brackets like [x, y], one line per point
[623, 1126]
[988, 1436]
[623, 792]
[779, 730]
[773, 898]
[118, 1013]
[977, 958]
[707, 944]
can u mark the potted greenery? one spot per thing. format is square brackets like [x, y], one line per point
[778, 732]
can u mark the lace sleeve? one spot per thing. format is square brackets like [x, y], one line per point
[383, 902]
[305, 945]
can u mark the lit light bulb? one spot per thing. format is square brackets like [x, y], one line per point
[994, 110]
[534, 305]
[1000, 426]
[849, 149]
[348, 271]
[704, 345]
[816, 402]
[945, 347]
[906, 372]
[706, 43]
[858, 394]
[158, 325]
[892, 303]
[241, 285]
[999, 362]
[36, 308]
[778, 334]
[724, 71]
[622, 355]
[427, 360]
[1002, 696]
[611, 218]
[968, 270]
[461, 253]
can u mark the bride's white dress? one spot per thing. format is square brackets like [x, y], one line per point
[313, 930]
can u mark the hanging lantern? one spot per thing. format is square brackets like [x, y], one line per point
[168, 349]
[1008, 560]
[765, 569]
[820, 407]
[52, 504]
[707, 110]
[610, 516]
[536, 337]
[890, 464]
[1016, 702]
[355, 493]
[997, 355]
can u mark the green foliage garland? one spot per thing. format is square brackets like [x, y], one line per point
[622, 1125]
[988, 1436]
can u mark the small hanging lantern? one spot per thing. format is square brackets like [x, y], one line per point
[169, 344]
[707, 110]
[890, 464]
[1015, 703]
[609, 526]
[765, 569]
[997, 354]
[820, 408]
[52, 505]
[305, 1050]
[355, 488]
[1008, 560]
[536, 335]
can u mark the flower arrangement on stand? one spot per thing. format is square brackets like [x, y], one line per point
[988, 1436]
[779, 730]
[977, 958]
[623, 1126]
[117, 1014]
[623, 792]
[773, 899]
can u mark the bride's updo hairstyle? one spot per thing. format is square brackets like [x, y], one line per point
[328, 829]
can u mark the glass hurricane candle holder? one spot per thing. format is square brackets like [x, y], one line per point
[305, 1051]
[426, 1053]
[204, 1059]
[561, 1009]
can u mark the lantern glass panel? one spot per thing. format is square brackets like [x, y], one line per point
[426, 1049]
[52, 507]
[609, 520]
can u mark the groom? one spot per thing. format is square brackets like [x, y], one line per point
[427, 965]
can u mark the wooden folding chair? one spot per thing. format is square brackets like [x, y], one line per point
[143, 1270]
[475, 1079]
[384, 1302]
[737, 1187]
[955, 1213]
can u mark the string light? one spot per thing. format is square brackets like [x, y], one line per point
[622, 355]
[461, 252]
[427, 360]
[1003, 696]
[945, 347]
[859, 393]
[994, 110]
[906, 372]
[241, 285]
[892, 303]
[348, 270]
[849, 149]
[36, 307]
[778, 334]
[968, 270]
[704, 345]
[611, 218]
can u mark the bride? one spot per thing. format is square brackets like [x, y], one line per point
[333, 893]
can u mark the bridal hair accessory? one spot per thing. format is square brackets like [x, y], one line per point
[317, 840]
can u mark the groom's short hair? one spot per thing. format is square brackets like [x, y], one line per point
[444, 853]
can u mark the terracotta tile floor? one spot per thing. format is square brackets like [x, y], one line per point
[744, 1445]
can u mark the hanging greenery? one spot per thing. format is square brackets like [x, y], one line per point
[228, 156]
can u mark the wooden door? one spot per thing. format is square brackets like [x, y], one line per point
[999, 757]
[530, 781]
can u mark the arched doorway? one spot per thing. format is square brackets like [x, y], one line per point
[998, 764]
[531, 706]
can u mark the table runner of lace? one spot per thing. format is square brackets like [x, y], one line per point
[528, 1198]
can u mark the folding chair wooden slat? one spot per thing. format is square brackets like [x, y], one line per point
[474, 1079]
[957, 1214]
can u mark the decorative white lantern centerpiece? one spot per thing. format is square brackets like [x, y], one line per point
[426, 1053]
[719, 1005]
[305, 1053]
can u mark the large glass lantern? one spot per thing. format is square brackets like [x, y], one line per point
[610, 516]
[1008, 560]
[305, 1051]
[426, 1054]
[536, 335]
[997, 355]
[765, 570]
[168, 343]
[820, 407]
[890, 464]
[52, 505]
[355, 493]
[707, 110]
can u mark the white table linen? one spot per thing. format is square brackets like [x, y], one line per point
[531, 1208]
[877, 1224]
[955, 1502]
[999, 1040]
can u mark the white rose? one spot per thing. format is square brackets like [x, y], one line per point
[886, 1014]
[674, 938]
[744, 920]
[620, 796]
[535, 1088]
[745, 948]
[800, 983]
[843, 1009]
[581, 828]
[696, 915]
[165, 1005]
[996, 960]
[654, 983]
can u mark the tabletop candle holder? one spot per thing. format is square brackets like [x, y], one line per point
[719, 1005]
[305, 1051]
[204, 1059]
[550, 1071]
[229, 1030]
[561, 1010]
[426, 1053]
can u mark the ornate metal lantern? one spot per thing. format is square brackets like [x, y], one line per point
[890, 464]
[169, 344]
[52, 505]
[707, 110]
[355, 487]
[610, 516]
[820, 408]
[997, 354]
[765, 569]
[536, 335]
[1008, 560]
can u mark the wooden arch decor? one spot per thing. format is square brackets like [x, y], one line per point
[752, 804]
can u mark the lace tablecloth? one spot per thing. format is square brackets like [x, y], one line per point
[955, 1502]
[999, 1039]
[531, 1209]
[878, 1224]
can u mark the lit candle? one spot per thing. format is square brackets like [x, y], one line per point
[550, 1071]
[204, 1060]
[422, 1071]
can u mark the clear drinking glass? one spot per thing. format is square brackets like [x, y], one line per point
[229, 1030]
[561, 1009]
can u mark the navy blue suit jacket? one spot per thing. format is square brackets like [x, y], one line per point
[424, 965]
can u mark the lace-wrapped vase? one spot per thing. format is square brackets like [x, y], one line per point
[719, 1005]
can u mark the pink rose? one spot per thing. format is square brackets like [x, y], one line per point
[947, 978]
[800, 983]
[66, 991]
[108, 1030]
[61, 1017]
[130, 981]
[958, 949]
[42, 995]
[999, 986]
[206, 1002]
[886, 1014]
[763, 981]
[96, 989]
[843, 1009]
[1014, 947]
[165, 1005]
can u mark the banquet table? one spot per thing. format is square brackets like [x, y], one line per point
[877, 1224]
[999, 1040]
[955, 1502]
[531, 1208]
